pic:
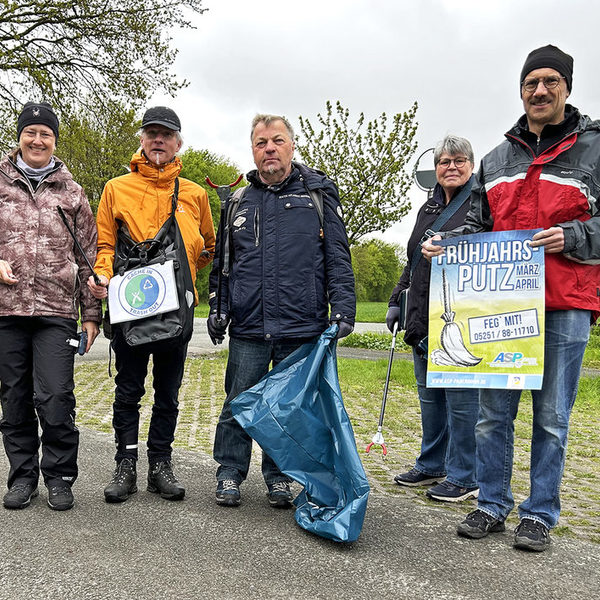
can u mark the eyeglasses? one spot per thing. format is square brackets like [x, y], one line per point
[459, 163]
[530, 85]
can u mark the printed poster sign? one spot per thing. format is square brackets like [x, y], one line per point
[142, 292]
[486, 313]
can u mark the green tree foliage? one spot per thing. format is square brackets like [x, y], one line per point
[197, 165]
[377, 268]
[367, 161]
[63, 50]
[98, 146]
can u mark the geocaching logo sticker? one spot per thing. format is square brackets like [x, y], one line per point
[142, 292]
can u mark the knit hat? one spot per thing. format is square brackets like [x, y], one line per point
[37, 113]
[161, 115]
[549, 57]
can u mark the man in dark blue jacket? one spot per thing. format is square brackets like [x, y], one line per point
[290, 275]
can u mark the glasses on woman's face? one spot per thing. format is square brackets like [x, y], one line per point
[459, 162]
[530, 85]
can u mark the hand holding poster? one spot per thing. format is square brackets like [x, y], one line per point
[486, 312]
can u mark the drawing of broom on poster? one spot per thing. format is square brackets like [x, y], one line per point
[486, 312]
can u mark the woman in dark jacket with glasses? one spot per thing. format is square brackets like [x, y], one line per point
[448, 416]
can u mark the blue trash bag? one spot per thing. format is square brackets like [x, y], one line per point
[297, 416]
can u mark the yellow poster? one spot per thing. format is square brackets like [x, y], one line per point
[486, 312]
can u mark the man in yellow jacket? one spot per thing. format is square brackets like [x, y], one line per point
[141, 202]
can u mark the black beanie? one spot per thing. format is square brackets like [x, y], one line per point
[549, 57]
[37, 113]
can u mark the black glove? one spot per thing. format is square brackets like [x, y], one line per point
[344, 328]
[391, 317]
[217, 327]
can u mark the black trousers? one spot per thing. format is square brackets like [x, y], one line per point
[36, 375]
[168, 358]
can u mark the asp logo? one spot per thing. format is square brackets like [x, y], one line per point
[508, 357]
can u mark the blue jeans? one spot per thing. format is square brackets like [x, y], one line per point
[567, 333]
[248, 362]
[448, 418]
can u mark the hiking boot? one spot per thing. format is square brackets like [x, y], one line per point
[532, 535]
[19, 495]
[414, 477]
[60, 497]
[162, 480]
[123, 482]
[279, 494]
[228, 493]
[450, 492]
[478, 524]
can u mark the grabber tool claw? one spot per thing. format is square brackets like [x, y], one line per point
[378, 437]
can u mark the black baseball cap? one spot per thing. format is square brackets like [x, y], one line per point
[161, 115]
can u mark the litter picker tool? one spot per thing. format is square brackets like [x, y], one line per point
[223, 191]
[378, 437]
[89, 264]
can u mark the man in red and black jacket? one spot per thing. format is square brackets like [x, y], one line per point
[546, 174]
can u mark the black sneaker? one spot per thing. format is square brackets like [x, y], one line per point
[478, 524]
[228, 493]
[532, 535]
[60, 497]
[19, 495]
[279, 494]
[162, 480]
[414, 477]
[450, 492]
[123, 483]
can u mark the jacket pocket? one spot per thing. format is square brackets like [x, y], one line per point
[299, 216]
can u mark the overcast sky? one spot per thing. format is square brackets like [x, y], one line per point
[459, 59]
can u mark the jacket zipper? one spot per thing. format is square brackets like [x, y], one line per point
[256, 227]
[524, 143]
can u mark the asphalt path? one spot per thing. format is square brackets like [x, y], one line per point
[151, 548]
[201, 344]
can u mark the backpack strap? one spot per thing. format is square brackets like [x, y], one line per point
[232, 205]
[317, 199]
